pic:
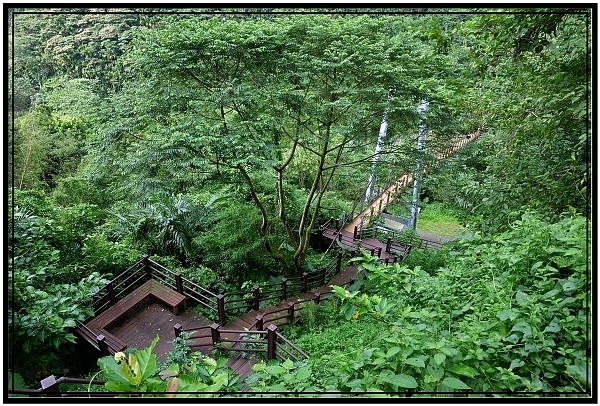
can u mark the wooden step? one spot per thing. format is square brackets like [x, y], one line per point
[246, 368]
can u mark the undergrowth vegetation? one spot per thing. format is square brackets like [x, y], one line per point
[521, 327]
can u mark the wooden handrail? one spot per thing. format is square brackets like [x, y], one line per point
[50, 384]
[294, 347]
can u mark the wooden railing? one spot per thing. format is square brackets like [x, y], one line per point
[267, 341]
[50, 386]
[146, 269]
[106, 343]
[222, 307]
[259, 296]
[289, 314]
[397, 240]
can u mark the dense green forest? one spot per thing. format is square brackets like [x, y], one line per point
[218, 142]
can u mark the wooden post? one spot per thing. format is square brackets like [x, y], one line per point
[177, 329]
[322, 277]
[49, 384]
[337, 224]
[379, 253]
[256, 297]
[146, 264]
[304, 282]
[291, 312]
[387, 260]
[340, 236]
[214, 333]
[388, 245]
[271, 341]
[355, 235]
[317, 298]
[380, 202]
[372, 252]
[178, 282]
[111, 292]
[102, 343]
[283, 289]
[259, 322]
[338, 263]
[221, 308]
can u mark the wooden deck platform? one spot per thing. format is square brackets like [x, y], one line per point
[152, 318]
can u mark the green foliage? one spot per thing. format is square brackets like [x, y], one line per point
[353, 304]
[44, 316]
[136, 371]
[183, 371]
[536, 154]
[287, 376]
[164, 224]
[521, 328]
[234, 226]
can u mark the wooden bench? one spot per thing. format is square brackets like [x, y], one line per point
[167, 295]
[99, 324]
[152, 288]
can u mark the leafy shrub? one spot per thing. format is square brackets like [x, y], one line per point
[504, 314]
[189, 372]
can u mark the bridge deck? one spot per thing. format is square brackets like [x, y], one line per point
[372, 245]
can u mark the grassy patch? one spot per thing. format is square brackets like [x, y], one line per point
[440, 219]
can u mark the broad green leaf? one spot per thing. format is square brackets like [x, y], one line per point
[578, 371]
[147, 360]
[572, 252]
[114, 386]
[339, 291]
[464, 370]
[392, 351]
[277, 388]
[350, 311]
[553, 327]
[451, 352]
[435, 370]
[550, 294]
[303, 373]
[400, 380]
[415, 361]
[522, 298]
[288, 364]
[504, 315]
[516, 363]
[112, 370]
[522, 327]
[455, 383]
[275, 370]
[439, 358]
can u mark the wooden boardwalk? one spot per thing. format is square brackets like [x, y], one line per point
[151, 317]
[243, 366]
